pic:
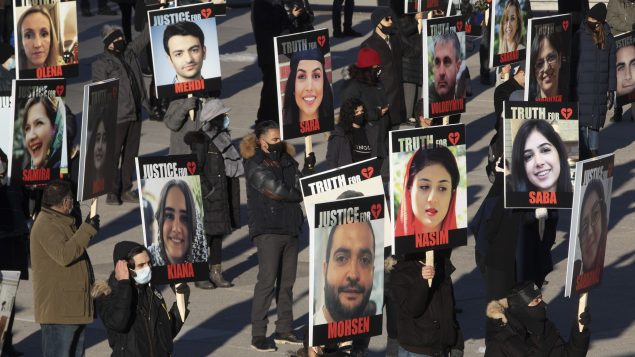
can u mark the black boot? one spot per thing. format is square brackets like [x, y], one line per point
[7, 348]
[216, 276]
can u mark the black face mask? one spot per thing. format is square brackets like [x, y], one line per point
[387, 30]
[119, 46]
[376, 72]
[594, 26]
[359, 119]
[533, 317]
[275, 151]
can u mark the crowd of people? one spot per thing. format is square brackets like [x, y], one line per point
[381, 92]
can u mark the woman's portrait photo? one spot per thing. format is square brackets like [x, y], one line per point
[179, 234]
[511, 34]
[42, 124]
[308, 96]
[99, 165]
[593, 228]
[428, 201]
[539, 160]
[547, 70]
[46, 36]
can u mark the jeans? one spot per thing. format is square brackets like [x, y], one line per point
[404, 353]
[590, 138]
[277, 265]
[63, 340]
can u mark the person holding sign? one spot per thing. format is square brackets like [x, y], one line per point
[427, 324]
[517, 325]
[539, 159]
[133, 311]
[42, 126]
[38, 45]
[595, 77]
[349, 142]
[429, 199]
[62, 273]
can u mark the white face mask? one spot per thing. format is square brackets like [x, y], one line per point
[143, 276]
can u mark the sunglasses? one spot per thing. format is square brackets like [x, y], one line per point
[388, 18]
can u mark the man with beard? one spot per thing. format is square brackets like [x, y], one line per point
[348, 269]
[446, 66]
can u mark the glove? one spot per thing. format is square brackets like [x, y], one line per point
[309, 164]
[585, 318]
[190, 103]
[610, 98]
[182, 289]
[93, 221]
[541, 213]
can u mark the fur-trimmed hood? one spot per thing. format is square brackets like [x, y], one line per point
[100, 288]
[496, 310]
[248, 147]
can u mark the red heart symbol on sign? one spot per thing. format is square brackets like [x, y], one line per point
[206, 12]
[565, 24]
[375, 210]
[566, 112]
[468, 28]
[609, 170]
[114, 92]
[321, 40]
[191, 167]
[59, 90]
[459, 26]
[454, 137]
[367, 172]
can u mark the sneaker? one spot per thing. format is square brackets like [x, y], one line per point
[129, 197]
[261, 344]
[351, 33]
[112, 199]
[106, 11]
[288, 338]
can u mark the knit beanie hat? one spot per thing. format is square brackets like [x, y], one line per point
[122, 249]
[367, 57]
[379, 14]
[598, 12]
[109, 33]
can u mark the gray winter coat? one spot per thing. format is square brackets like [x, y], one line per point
[109, 66]
[594, 70]
[177, 119]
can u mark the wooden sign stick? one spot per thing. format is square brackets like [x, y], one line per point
[430, 262]
[191, 110]
[93, 208]
[581, 306]
[180, 301]
[308, 145]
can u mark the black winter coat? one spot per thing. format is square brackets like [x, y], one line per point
[14, 232]
[391, 73]
[268, 20]
[426, 318]
[594, 70]
[221, 194]
[511, 339]
[273, 191]
[412, 44]
[339, 149]
[137, 320]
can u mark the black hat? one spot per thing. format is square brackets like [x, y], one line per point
[522, 294]
[379, 14]
[598, 12]
[6, 51]
[122, 249]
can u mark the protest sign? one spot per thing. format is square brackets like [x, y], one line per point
[346, 235]
[414, 6]
[6, 138]
[548, 60]
[509, 33]
[303, 74]
[625, 67]
[172, 218]
[541, 144]
[428, 188]
[589, 223]
[185, 54]
[9, 281]
[97, 154]
[445, 74]
[473, 14]
[363, 176]
[39, 132]
[47, 45]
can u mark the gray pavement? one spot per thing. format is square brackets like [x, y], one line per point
[219, 322]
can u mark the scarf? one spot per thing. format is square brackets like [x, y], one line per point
[223, 141]
[407, 224]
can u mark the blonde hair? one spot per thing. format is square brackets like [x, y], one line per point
[54, 51]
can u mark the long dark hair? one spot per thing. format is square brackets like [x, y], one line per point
[290, 111]
[363, 75]
[191, 209]
[538, 42]
[520, 181]
[347, 114]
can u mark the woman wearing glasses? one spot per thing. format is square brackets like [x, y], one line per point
[595, 79]
[546, 63]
